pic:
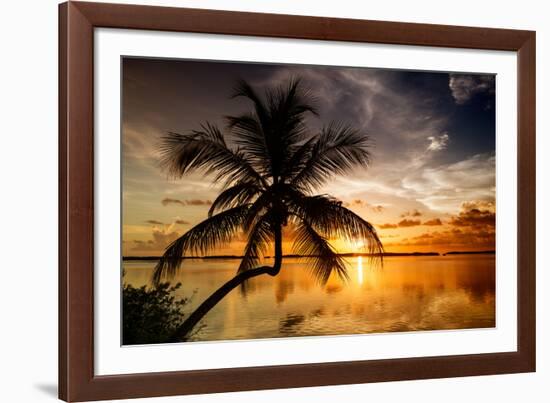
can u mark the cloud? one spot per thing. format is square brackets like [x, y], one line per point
[193, 202]
[464, 87]
[401, 224]
[435, 221]
[473, 228]
[377, 208]
[166, 201]
[413, 213]
[487, 205]
[161, 239]
[445, 187]
[139, 144]
[408, 223]
[198, 202]
[154, 222]
[421, 180]
[474, 218]
[371, 100]
[182, 222]
[455, 239]
[438, 143]
[476, 215]
[425, 235]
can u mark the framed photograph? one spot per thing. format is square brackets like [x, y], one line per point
[257, 201]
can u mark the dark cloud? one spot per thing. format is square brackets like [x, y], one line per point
[178, 221]
[474, 218]
[455, 239]
[167, 201]
[154, 222]
[193, 202]
[362, 203]
[473, 228]
[465, 86]
[435, 221]
[408, 223]
[478, 204]
[377, 208]
[413, 213]
[403, 224]
[198, 202]
[425, 235]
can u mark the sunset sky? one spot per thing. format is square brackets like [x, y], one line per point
[431, 185]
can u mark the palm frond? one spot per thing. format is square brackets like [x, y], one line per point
[248, 133]
[213, 232]
[288, 105]
[339, 148]
[276, 126]
[261, 205]
[259, 237]
[332, 220]
[244, 89]
[299, 156]
[321, 256]
[238, 194]
[205, 150]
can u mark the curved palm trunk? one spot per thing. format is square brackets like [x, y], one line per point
[185, 328]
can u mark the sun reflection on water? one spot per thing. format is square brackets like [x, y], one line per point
[410, 294]
[360, 269]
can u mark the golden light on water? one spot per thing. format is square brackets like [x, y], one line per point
[360, 269]
[411, 293]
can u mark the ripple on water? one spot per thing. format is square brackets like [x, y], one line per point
[410, 293]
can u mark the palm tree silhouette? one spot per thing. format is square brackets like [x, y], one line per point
[268, 175]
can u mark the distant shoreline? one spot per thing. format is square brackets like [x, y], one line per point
[387, 254]
[474, 252]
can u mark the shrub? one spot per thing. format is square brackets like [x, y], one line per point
[150, 314]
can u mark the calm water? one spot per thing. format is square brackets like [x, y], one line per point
[408, 293]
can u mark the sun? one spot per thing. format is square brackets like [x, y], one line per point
[357, 246]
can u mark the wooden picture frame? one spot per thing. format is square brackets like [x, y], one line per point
[77, 381]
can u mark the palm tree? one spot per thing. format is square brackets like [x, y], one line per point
[268, 176]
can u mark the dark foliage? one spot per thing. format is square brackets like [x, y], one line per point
[150, 315]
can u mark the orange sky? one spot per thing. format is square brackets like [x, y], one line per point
[471, 228]
[431, 186]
